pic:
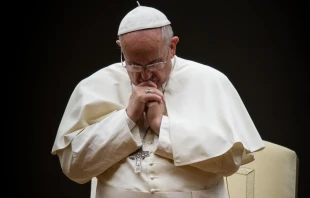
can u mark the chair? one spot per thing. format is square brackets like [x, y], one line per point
[93, 187]
[273, 174]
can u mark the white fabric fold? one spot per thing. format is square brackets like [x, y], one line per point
[216, 118]
[207, 117]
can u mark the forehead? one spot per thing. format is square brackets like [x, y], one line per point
[142, 42]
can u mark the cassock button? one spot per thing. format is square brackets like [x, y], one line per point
[154, 190]
[153, 177]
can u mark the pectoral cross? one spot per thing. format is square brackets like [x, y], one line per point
[139, 155]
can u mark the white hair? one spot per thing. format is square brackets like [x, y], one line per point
[167, 33]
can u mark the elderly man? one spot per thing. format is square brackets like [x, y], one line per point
[155, 125]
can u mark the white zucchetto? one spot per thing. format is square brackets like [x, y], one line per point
[142, 17]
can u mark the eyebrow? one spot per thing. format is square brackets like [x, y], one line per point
[151, 62]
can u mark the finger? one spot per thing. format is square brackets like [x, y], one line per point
[152, 97]
[151, 104]
[155, 91]
[147, 83]
[141, 92]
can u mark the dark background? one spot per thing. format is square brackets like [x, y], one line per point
[259, 45]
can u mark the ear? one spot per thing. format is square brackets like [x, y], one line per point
[173, 45]
[118, 42]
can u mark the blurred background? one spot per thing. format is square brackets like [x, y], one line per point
[259, 45]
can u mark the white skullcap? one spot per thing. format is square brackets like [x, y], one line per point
[142, 17]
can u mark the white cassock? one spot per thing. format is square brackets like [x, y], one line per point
[207, 135]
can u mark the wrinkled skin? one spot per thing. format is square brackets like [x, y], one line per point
[143, 48]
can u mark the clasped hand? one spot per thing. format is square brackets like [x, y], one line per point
[140, 102]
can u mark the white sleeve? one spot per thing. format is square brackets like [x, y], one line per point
[225, 165]
[131, 124]
[164, 148]
[99, 146]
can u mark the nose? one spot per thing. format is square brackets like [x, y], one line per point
[146, 74]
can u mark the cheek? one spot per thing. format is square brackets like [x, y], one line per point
[164, 75]
[134, 77]
[160, 76]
